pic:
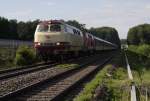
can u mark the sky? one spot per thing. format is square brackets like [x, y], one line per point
[120, 14]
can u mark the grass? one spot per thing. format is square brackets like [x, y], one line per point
[140, 64]
[114, 77]
[89, 89]
[140, 67]
[6, 57]
[67, 65]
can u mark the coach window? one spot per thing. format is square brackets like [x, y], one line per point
[79, 33]
[55, 28]
[76, 32]
[65, 28]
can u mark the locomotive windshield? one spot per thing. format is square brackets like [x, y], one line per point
[55, 27]
[49, 28]
[43, 28]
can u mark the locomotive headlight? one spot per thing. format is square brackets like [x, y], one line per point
[57, 43]
[39, 43]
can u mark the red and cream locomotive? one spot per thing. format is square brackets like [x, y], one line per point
[55, 38]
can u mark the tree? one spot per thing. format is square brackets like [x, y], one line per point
[22, 30]
[26, 30]
[107, 33]
[139, 35]
[4, 27]
[13, 29]
[77, 25]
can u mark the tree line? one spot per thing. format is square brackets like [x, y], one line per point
[107, 33]
[139, 34]
[12, 29]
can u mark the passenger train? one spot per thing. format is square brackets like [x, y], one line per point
[56, 38]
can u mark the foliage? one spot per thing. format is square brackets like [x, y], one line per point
[6, 57]
[77, 25]
[67, 65]
[25, 56]
[139, 35]
[107, 33]
[141, 49]
[113, 78]
[11, 29]
[139, 61]
[144, 49]
[120, 74]
[89, 89]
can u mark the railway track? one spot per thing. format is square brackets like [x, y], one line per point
[25, 69]
[31, 68]
[54, 87]
[14, 84]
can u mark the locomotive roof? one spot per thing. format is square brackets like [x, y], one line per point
[52, 22]
[57, 22]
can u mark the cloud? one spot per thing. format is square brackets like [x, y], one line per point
[147, 6]
[48, 3]
[20, 13]
[122, 18]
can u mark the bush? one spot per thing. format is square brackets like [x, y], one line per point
[144, 49]
[25, 56]
[120, 74]
[141, 49]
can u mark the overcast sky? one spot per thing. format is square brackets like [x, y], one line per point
[121, 14]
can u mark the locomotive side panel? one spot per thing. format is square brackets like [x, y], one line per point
[75, 38]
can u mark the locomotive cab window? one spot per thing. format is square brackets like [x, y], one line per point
[43, 28]
[55, 27]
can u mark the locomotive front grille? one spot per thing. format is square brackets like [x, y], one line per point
[48, 44]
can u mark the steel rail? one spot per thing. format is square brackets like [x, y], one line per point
[133, 87]
[18, 92]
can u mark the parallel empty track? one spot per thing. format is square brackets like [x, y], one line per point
[52, 87]
[26, 69]
[31, 68]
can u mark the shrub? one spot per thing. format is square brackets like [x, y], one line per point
[144, 49]
[25, 56]
[120, 74]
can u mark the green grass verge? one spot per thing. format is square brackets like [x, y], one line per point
[67, 65]
[140, 65]
[114, 77]
[139, 60]
[89, 89]
[7, 56]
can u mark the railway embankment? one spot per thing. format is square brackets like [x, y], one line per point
[139, 61]
[16, 57]
[64, 67]
[111, 83]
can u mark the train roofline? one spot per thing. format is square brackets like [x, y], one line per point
[105, 41]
